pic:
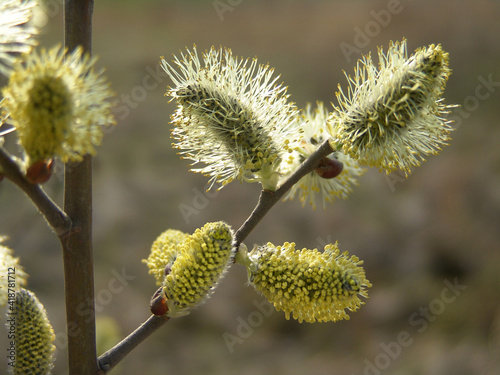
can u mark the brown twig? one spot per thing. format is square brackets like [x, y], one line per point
[268, 199]
[55, 216]
[77, 247]
[110, 359]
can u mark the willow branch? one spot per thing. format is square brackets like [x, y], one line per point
[268, 199]
[77, 247]
[113, 356]
[55, 216]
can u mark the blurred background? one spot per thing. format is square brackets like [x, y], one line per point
[430, 242]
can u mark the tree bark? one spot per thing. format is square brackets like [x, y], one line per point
[77, 245]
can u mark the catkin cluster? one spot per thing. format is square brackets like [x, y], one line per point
[232, 117]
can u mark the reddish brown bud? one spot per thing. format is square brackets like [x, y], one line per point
[40, 171]
[329, 168]
[158, 304]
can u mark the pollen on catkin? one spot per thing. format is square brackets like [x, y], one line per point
[34, 336]
[58, 104]
[163, 253]
[306, 284]
[314, 125]
[202, 259]
[393, 116]
[231, 116]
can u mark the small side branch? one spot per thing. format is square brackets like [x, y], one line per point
[55, 216]
[113, 356]
[269, 198]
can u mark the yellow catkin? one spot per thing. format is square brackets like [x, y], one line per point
[314, 124]
[163, 253]
[393, 115]
[195, 264]
[231, 116]
[58, 103]
[309, 285]
[34, 336]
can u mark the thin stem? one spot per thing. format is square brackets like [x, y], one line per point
[268, 199]
[55, 216]
[112, 357]
[77, 247]
[78, 269]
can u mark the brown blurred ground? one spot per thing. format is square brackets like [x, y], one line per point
[416, 236]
